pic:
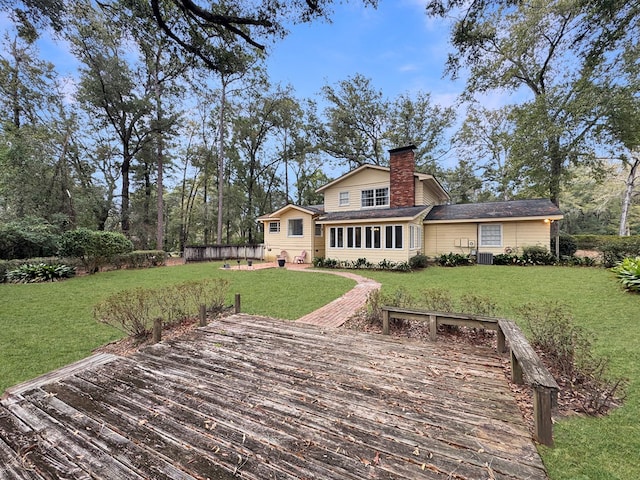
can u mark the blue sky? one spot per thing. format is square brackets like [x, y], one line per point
[396, 45]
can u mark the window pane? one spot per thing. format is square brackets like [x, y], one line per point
[388, 236]
[344, 198]
[382, 196]
[358, 237]
[350, 237]
[332, 237]
[398, 236]
[377, 234]
[274, 227]
[368, 237]
[367, 198]
[295, 227]
[340, 240]
[490, 235]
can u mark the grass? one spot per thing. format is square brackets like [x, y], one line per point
[585, 448]
[47, 326]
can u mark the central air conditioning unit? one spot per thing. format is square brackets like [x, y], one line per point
[485, 258]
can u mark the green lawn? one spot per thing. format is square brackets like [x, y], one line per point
[46, 326]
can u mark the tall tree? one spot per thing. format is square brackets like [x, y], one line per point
[356, 119]
[111, 86]
[485, 140]
[416, 120]
[550, 48]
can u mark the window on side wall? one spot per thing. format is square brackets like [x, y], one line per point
[344, 199]
[295, 227]
[318, 230]
[274, 227]
[491, 235]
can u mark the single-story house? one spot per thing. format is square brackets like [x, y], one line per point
[394, 213]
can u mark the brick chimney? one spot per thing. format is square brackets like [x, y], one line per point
[402, 164]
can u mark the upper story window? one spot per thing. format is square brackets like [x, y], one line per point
[375, 197]
[295, 227]
[344, 199]
[491, 235]
[274, 227]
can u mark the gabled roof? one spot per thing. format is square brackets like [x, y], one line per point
[352, 173]
[309, 209]
[401, 213]
[530, 209]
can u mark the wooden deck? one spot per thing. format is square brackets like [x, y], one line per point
[257, 398]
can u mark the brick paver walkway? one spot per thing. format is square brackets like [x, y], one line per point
[333, 314]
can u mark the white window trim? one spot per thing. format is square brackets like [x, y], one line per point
[277, 229]
[375, 197]
[480, 235]
[343, 199]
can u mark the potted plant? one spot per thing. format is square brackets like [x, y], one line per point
[281, 261]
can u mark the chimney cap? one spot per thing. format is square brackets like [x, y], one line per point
[402, 149]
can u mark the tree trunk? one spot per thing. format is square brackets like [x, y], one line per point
[623, 230]
[124, 209]
[221, 177]
[160, 162]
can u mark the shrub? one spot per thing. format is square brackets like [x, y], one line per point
[478, 305]
[94, 248]
[134, 311]
[28, 238]
[140, 259]
[536, 255]
[568, 245]
[40, 272]
[506, 259]
[436, 299]
[628, 272]
[568, 350]
[454, 260]
[418, 261]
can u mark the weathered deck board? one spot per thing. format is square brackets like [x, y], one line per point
[257, 398]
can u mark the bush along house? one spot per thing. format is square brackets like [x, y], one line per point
[394, 213]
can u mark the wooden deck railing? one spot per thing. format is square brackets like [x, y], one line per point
[526, 366]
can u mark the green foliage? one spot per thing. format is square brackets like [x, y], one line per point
[616, 249]
[568, 245]
[361, 263]
[28, 238]
[140, 259]
[419, 261]
[437, 299]
[478, 305]
[40, 272]
[134, 311]
[569, 350]
[533, 255]
[537, 255]
[628, 272]
[94, 248]
[454, 260]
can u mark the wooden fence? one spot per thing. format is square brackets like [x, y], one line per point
[223, 252]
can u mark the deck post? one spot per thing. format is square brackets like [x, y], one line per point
[157, 330]
[237, 303]
[385, 322]
[516, 370]
[203, 315]
[542, 421]
[501, 341]
[433, 327]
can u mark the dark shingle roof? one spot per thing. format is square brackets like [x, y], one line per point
[374, 214]
[514, 208]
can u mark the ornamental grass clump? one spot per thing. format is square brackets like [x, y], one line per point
[628, 272]
[40, 272]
